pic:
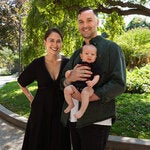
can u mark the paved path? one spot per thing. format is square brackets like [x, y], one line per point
[10, 137]
[5, 79]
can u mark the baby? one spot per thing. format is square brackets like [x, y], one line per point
[88, 56]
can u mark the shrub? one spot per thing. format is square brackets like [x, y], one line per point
[136, 45]
[138, 80]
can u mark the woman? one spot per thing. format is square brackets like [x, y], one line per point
[44, 130]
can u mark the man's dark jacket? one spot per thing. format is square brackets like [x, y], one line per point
[112, 70]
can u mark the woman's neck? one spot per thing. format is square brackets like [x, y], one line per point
[52, 58]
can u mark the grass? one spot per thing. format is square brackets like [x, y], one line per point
[133, 116]
[133, 110]
[13, 98]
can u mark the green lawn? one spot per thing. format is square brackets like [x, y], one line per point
[133, 116]
[133, 110]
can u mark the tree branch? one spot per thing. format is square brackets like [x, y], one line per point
[132, 8]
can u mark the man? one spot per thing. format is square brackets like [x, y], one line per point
[91, 131]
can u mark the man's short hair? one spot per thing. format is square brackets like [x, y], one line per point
[85, 9]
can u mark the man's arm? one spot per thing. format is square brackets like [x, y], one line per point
[115, 82]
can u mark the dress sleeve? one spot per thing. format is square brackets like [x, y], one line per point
[28, 75]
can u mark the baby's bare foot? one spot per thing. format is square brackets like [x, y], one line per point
[79, 114]
[68, 109]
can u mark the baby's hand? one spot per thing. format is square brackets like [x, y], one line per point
[89, 83]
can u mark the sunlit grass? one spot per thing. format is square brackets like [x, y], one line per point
[12, 97]
[133, 110]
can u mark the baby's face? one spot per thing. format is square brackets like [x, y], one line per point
[88, 54]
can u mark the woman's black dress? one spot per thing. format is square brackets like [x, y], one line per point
[44, 130]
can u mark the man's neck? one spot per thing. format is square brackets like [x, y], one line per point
[87, 41]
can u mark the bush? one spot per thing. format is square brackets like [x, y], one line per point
[136, 45]
[133, 116]
[138, 80]
[4, 71]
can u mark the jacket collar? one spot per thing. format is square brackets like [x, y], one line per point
[94, 40]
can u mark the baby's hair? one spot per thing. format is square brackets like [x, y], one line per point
[88, 45]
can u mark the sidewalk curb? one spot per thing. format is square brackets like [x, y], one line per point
[114, 142]
[13, 118]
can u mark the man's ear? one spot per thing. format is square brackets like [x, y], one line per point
[81, 55]
[97, 22]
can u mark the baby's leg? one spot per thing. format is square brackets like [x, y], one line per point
[68, 91]
[85, 95]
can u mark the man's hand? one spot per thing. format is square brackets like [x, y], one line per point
[79, 73]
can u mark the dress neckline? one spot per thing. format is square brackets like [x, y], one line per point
[54, 79]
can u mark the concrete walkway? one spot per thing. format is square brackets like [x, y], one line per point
[6, 79]
[11, 135]
[11, 138]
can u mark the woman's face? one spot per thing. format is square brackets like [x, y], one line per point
[53, 43]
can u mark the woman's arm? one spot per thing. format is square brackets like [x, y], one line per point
[27, 93]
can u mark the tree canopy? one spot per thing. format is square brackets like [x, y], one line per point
[125, 7]
[122, 7]
[63, 14]
[9, 26]
[42, 14]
